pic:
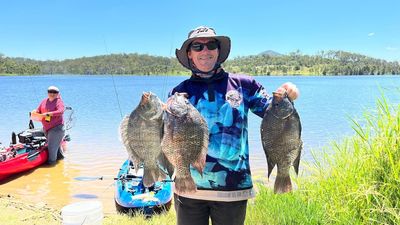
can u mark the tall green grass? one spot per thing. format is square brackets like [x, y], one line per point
[358, 183]
[355, 181]
[292, 208]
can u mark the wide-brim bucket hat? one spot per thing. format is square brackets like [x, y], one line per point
[53, 88]
[203, 32]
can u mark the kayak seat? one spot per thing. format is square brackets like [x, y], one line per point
[27, 136]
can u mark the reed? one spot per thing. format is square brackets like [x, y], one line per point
[355, 181]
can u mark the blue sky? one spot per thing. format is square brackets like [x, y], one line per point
[60, 29]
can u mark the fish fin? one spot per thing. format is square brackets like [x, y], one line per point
[150, 176]
[296, 115]
[185, 185]
[165, 164]
[296, 162]
[123, 131]
[145, 98]
[283, 184]
[135, 164]
[200, 163]
[270, 167]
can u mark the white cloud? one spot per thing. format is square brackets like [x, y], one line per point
[371, 34]
[389, 48]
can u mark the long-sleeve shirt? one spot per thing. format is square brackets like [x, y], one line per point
[56, 107]
[224, 101]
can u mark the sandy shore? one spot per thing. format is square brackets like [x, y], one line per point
[15, 211]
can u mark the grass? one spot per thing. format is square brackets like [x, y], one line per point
[291, 208]
[140, 219]
[360, 183]
[355, 181]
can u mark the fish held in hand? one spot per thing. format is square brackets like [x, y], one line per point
[141, 134]
[185, 141]
[281, 140]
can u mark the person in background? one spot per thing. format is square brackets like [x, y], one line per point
[52, 110]
[223, 99]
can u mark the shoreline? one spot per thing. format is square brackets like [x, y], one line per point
[188, 75]
[14, 210]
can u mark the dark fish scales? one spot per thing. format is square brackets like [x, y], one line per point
[281, 140]
[185, 141]
[141, 133]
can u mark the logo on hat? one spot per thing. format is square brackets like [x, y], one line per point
[202, 30]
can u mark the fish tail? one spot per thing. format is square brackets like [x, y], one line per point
[123, 130]
[283, 184]
[185, 185]
[150, 176]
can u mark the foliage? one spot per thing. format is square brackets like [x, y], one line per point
[359, 183]
[114, 64]
[355, 182]
[323, 63]
[18, 66]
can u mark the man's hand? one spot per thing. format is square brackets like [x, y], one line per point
[290, 89]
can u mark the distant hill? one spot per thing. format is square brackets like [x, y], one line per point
[323, 63]
[266, 63]
[270, 53]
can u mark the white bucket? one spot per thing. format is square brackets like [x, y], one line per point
[86, 212]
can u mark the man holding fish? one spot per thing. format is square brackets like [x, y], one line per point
[202, 134]
[223, 100]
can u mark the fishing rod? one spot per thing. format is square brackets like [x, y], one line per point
[93, 178]
[169, 66]
[113, 80]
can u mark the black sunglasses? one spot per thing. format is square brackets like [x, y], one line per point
[198, 47]
[52, 92]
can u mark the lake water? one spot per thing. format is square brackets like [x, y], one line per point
[324, 106]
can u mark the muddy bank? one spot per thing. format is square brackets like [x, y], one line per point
[16, 211]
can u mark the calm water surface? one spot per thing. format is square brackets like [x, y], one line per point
[95, 150]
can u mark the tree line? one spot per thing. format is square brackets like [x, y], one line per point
[295, 63]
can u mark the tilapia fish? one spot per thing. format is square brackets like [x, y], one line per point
[185, 141]
[141, 133]
[281, 140]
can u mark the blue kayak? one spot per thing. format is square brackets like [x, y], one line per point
[131, 195]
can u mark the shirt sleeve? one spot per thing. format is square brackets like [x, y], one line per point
[259, 99]
[40, 107]
[59, 108]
